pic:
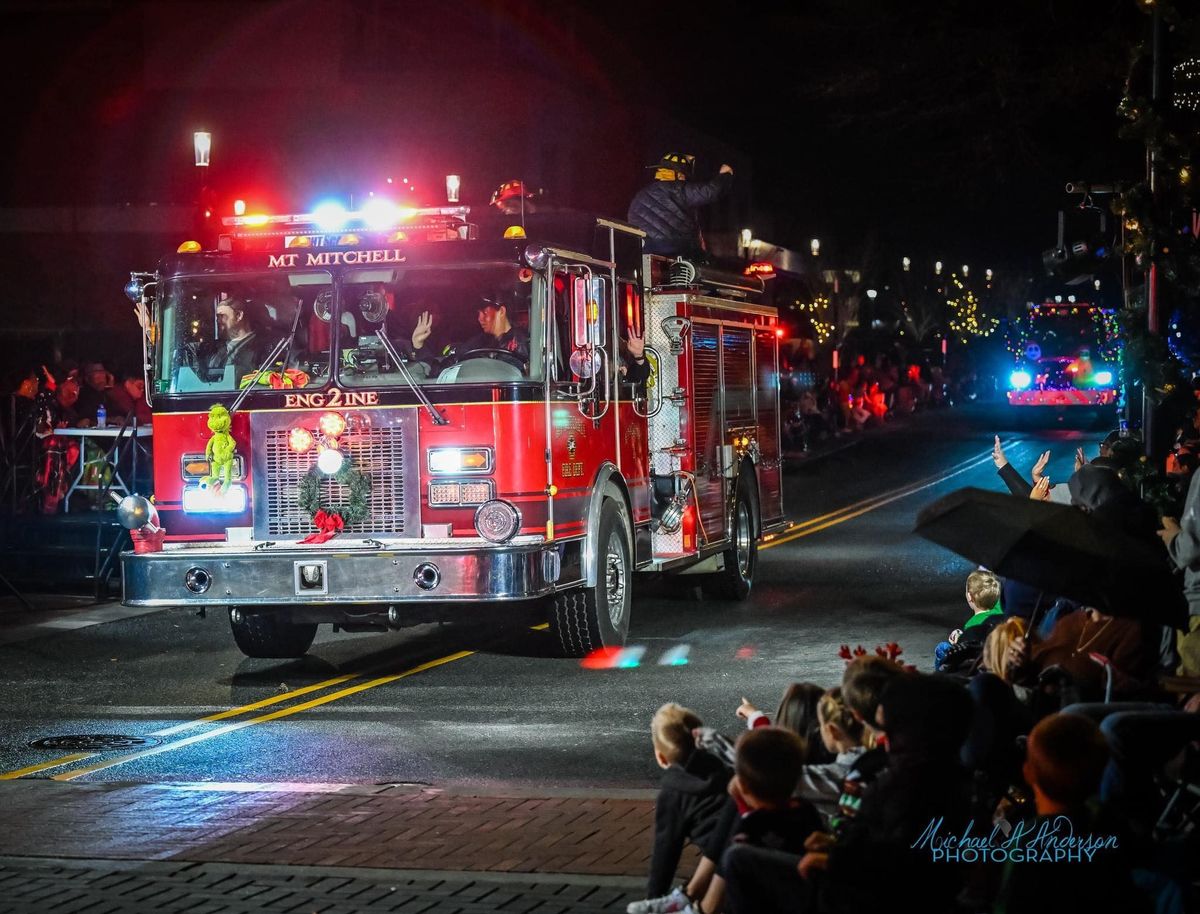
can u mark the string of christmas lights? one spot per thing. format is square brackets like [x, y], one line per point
[966, 314]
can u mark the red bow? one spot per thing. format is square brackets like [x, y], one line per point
[328, 523]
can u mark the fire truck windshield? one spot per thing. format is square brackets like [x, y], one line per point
[217, 330]
[1063, 332]
[453, 325]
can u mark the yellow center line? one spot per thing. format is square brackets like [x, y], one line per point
[274, 715]
[825, 521]
[265, 703]
[33, 769]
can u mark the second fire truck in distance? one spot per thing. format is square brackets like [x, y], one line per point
[327, 471]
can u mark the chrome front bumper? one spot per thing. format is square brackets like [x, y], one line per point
[342, 573]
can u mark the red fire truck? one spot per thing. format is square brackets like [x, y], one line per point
[355, 478]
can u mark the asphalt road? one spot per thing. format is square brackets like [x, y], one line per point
[472, 704]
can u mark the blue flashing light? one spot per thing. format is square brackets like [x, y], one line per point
[630, 657]
[675, 656]
[1019, 379]
[330, 216]
[1103, 378]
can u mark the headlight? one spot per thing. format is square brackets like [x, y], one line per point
[226, 500]
[497, 521]
[1103, 378]
[1019, 379]
[443, 460]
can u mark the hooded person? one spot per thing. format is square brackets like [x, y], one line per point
[1099, 491]
[666, 208]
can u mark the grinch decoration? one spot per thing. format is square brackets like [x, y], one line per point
[331, 520]
[220, 449]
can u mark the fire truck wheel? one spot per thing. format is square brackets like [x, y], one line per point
[589, 618]
[741, 558]
[266, 635]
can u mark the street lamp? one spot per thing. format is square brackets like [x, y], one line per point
[872, 293]
[202, 144]
[966, 270]
[987, 274]
[746, 237]
[815, 247]
[907, 262]
[937, 268]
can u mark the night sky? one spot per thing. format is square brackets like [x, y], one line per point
[936, 129]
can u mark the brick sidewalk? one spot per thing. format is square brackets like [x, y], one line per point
[578, 850]
[31, 886]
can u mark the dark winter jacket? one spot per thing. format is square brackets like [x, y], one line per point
[666, 212]
[779, 829]
[690, 801]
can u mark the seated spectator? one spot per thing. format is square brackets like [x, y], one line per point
[1065, 759]
[963, 647]
[1130, 646]
[128, 397]
[842, 735]
[66, 400]
[862, 689]
[766, 773]
[926, 719]
[797, 712]
[93, 393]
[690, 802]
[997, 644]
[1143, 738]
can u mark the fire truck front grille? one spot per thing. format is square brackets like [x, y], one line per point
[378, 452]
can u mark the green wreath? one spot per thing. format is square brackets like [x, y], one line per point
[308, 495]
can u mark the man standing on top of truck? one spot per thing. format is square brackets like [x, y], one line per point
[666, 208]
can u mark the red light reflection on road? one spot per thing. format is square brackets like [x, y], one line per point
[745, 652]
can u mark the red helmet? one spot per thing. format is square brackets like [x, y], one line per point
[508, 190]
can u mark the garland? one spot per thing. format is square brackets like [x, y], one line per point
[331, 521]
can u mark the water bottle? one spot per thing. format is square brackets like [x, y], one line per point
[101, 416]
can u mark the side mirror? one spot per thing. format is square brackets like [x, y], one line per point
[587, 330]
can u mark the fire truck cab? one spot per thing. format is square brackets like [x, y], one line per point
[426, 411]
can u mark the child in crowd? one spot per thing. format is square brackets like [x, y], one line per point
[690, 802]
[862, 687]
[842, 734]
[1065, 758]
[767, 815]
[964, 646]
[766, 772]
[797, 712]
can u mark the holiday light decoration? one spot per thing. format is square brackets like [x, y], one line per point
[817, 311]
[966, 313]
[1186, 81]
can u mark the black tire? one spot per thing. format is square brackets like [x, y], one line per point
[736, 579]
[589, 618]
[266, 635]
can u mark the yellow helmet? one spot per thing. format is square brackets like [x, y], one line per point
[674, 166]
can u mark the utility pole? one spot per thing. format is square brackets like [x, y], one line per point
[1152, 168]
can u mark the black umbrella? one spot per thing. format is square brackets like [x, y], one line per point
[1059, 549]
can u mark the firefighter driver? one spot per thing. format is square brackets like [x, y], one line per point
[240, 345]
[495, 332]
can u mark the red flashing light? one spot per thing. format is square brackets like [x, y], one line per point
[300, 440]
[779, 332]
[332, 424]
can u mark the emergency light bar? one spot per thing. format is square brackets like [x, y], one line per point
[362, 218]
